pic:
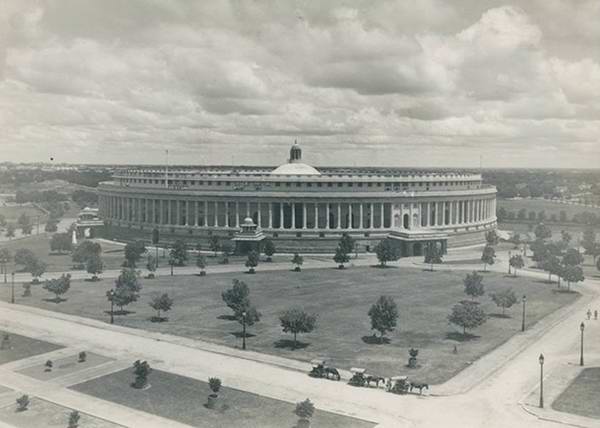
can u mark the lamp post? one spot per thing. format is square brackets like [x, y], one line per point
[244, 330]
[111, 295]
[509, 254]
[541, 360]
[12, 293]
[581, 327]
[524, 300]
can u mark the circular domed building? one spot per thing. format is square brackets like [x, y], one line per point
[300, 207]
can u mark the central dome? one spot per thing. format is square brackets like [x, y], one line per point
[295, 169]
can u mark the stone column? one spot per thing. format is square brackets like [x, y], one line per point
[169, 208]
[304, 215]
[196, 209]
[161, 217]
[205, 213]
[428, 214]
[270, 215]
[216, 213]
[360, 216]
[316, 216]
[281, 215]
[382, 216]
[258, 204]
[293, 205]
[327, 224]
[350, 216]
[187, 212]
[372, 210]
[339, 215]
[178, 211]
[226, 214]
[237, 214]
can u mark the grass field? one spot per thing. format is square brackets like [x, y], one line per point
[582, 397]
[12, 213]
[548, 206]
[43, 414]
[182, 398]
[64, 366]
[24, 347]
[341, 298]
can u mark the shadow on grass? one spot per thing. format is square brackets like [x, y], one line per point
[564, 291]
[240, 334]
[56, 300]
[499, 316]
[459, 337]
[375, 340]
[159, 319]
[544, 281]
[378, 266]
[120, 312]
[227, 317]
[92, 280]
[289, 344]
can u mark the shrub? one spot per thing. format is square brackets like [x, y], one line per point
[22, 403]
[214, 383]
[82, 357]
[305, 409]
[74, 417]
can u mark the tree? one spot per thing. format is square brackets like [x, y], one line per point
[201, 263]
[214, 244]
[127, 288]
[565, 238]
[252, 261]
[161, 303]
[504, 299]
[94, 266]
[84, 251]
[346, 243]
[386, 252]
[572, 257]
[572, 274]
[25, 224]
[74, 418]
[58, 286]
[61, 243]
[492, 237]
[516, 262]
[340, 257]
[588, 241]
[51, 225]
[384, 315]
[151, 265]
[36, 268]
[296, 320]
[488, 255]
[542, 232]
[10, 230]
[237, 298]
[141, 370]
[179, 253]
[552, 265]
[467, 315]
[24, 256]
[474, 285]
[133, 253]
[5, 257]
[433, 254]
[22, 403]
[297, 260]
[304, 410]
[269, 249]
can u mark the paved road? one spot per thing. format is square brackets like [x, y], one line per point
[489, 393]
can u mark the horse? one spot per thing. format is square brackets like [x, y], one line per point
[333, 371]
[419, 386]
[375, 379]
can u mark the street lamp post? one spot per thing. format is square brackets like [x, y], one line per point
[541, 360]
[244, 330]
[524, 300]
[111, 295]
[12, 293]
[581, 327]
[509, 254]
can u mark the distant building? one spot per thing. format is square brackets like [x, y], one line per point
[89, 224]
[301, 208]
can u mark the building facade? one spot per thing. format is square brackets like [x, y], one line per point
[299, 207]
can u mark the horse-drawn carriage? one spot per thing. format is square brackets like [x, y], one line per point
[321, 370]
[401, 385]
[360, 377]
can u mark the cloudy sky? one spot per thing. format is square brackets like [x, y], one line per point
[406, 82]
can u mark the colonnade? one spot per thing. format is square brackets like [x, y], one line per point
[298, 215]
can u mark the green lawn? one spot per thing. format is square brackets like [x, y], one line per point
[341, 298]
[23, 347]
[12, 212]
[582, 397]
[64, 366]
[43, 414]
[182, 398]
[540, 204]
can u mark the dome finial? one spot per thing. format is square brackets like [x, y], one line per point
[295, 153]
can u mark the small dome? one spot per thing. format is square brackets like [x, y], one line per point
[295, 169]
[248, 222]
